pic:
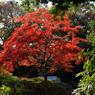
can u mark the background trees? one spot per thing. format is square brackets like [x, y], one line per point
[7, 12]
[58, 5]
[82, 15]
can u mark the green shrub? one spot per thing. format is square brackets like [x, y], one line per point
[34, 86]
[86, 85]
[5, 89]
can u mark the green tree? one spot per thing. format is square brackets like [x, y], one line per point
[86, 85]
[60, 5]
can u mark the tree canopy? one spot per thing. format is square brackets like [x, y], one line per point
[34, 43]
[59, 4]
[36, 37]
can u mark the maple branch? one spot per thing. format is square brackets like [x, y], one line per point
[49, 57]
[45, 62]
[40, 68]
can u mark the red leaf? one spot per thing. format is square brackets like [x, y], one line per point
[37, 43]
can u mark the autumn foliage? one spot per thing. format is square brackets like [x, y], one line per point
[34, 43]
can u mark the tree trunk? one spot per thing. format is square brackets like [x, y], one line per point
[46, 86]
[14, 90]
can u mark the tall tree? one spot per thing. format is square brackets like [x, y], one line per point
[7, 12]
[82, 15]
[59, 5]
[34, 43]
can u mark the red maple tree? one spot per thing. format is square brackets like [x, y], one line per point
[34, 43]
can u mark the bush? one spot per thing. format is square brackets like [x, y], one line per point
[34, 86]
[86, 85]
